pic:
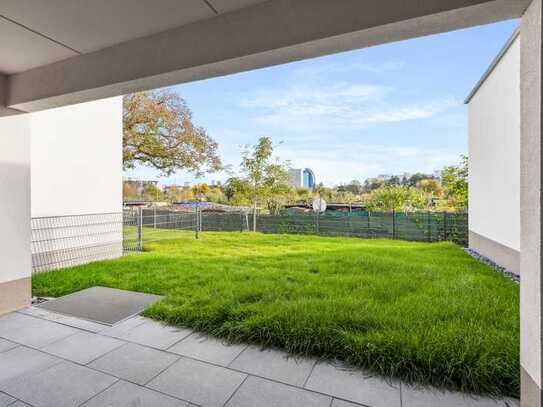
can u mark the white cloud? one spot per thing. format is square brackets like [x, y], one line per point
[340, 105]
[356, 65]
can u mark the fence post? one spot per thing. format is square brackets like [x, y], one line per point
[140, 229]
[317, 223]
[393, 224]
[428, 226]
[196, 221]
[154, 216]
[369, 224]
[444, 225]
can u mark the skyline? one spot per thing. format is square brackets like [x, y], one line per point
[353, 115]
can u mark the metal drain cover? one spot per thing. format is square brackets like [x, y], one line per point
[101, 304]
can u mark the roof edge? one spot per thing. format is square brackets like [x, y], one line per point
[493, 65]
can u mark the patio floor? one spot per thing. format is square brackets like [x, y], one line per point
[52, 360]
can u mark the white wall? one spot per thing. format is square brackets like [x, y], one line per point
[76, 154]
[14, 198]
[494, 153]
[76, 167]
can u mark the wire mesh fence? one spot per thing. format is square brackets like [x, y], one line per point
[148, 225]
[64, 241]
[414, 226]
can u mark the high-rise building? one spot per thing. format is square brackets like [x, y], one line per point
[302, 178]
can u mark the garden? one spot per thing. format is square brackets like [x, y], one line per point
[422, 312]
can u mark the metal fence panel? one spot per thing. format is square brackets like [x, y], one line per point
[65, 241]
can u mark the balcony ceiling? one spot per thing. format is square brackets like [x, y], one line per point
[40, 32]
[60, 52]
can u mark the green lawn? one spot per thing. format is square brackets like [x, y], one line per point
[422, 312]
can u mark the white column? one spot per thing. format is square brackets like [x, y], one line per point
[531, 206]
[15, 256]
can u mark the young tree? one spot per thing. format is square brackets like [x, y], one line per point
[216, 195]
[388, 198]
[130, 192]
[200, 191]
[303, 195]
[455, 184]
[172, 194]
[264, 176]
[346, 197]
[392, 181]
[276, 187]
[152, 193]
[414, 179]
[158, 132]
[432, 190]
[237, 191]
[354, 187]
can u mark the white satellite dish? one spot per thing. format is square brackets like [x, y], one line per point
[319, 205]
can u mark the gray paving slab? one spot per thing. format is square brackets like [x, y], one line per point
[62, 385]
[6, 345]
[198, 382]
[256, 391]
[124, 394]
[353, 385]
[63, 319]
[101, 304]
[274, 364]
[6, 400]
[421, 397]
[19, 403]
[123, 327]
[83, 347]
[31, 331]
[343, 403]
[22, 360]
[135, 363]
[208, 349]
[153, 334]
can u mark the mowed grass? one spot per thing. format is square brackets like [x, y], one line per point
[421, 312]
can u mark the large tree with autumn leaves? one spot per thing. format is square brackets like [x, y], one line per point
[158, 132]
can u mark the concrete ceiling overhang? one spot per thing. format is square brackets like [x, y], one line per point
[122, 46]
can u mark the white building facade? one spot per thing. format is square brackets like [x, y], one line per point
[76, 184]
[494, 160]
[61, 186]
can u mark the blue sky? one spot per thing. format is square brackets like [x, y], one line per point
[384, 110]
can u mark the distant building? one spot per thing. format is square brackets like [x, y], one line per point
[302, 178]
